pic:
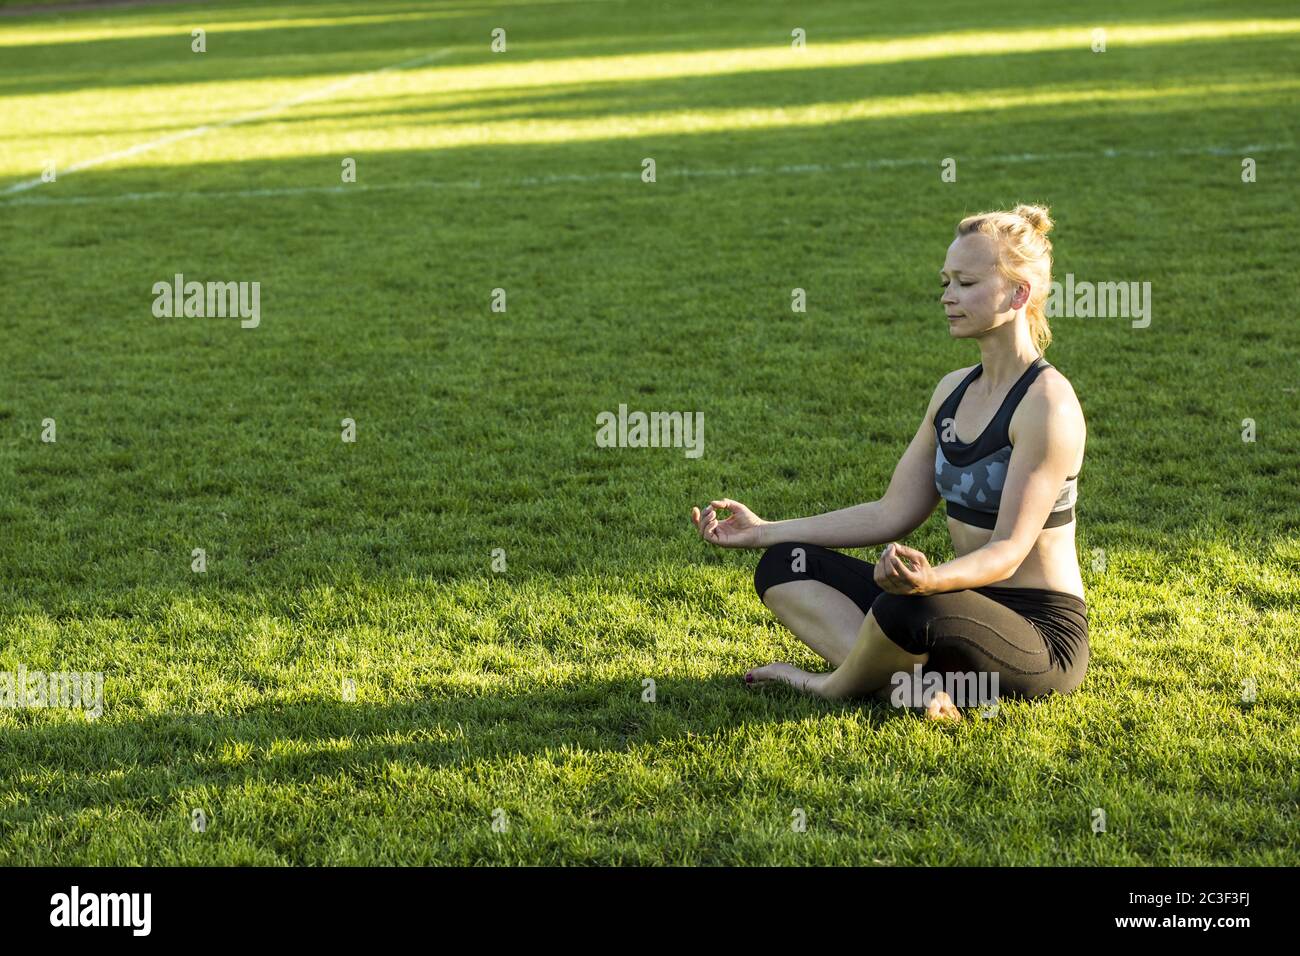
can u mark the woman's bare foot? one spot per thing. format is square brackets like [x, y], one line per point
[783, 673]
[941, 707]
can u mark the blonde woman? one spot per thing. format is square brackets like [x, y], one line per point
[1001, 443]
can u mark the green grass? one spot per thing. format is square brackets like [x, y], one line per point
[521, 690]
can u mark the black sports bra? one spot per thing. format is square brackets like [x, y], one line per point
[970, 475]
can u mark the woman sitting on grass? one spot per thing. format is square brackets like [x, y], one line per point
[1002, 443]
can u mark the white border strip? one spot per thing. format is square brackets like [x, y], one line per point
[281, 106]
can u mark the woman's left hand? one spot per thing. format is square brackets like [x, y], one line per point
[894, 575]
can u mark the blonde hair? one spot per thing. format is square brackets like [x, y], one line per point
[1024, 257]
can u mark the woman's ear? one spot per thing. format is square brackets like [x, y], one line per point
[1020, 296]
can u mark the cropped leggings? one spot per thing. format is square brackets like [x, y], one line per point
[1035, 640]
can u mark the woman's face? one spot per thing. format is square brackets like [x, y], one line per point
[975, 296]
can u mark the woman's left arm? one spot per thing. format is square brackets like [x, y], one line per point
[1049, 429]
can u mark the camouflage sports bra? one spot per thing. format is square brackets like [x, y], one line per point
[970, 475]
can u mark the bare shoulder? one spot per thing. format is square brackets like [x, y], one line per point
[1051, 400]
[1055, 390]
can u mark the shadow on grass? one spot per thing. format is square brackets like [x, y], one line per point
[155, 756]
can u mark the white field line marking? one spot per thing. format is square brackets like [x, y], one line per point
[727, 172]
[279, 107]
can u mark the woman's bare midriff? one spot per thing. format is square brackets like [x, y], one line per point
[1052, 563]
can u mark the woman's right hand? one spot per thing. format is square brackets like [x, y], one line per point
[740, 530]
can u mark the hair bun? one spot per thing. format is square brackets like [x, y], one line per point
[1036, 216]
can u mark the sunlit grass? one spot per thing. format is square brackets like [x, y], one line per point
[159, 108]
[133, 21]
[779, 57]
[221, 29]
[279, 135]
[473, 697]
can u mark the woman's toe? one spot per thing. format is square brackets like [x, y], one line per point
[941, 707]
[760, 675]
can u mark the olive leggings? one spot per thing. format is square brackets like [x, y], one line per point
[1034, 640]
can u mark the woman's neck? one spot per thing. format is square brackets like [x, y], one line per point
[1006, 356]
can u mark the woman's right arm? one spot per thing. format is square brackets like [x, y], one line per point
[860, 526]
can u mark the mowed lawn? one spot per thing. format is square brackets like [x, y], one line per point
[515, 696]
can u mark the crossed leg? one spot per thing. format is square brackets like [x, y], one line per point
[834, 627]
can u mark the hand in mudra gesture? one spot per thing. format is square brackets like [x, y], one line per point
[904, 570]
[740, 530]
